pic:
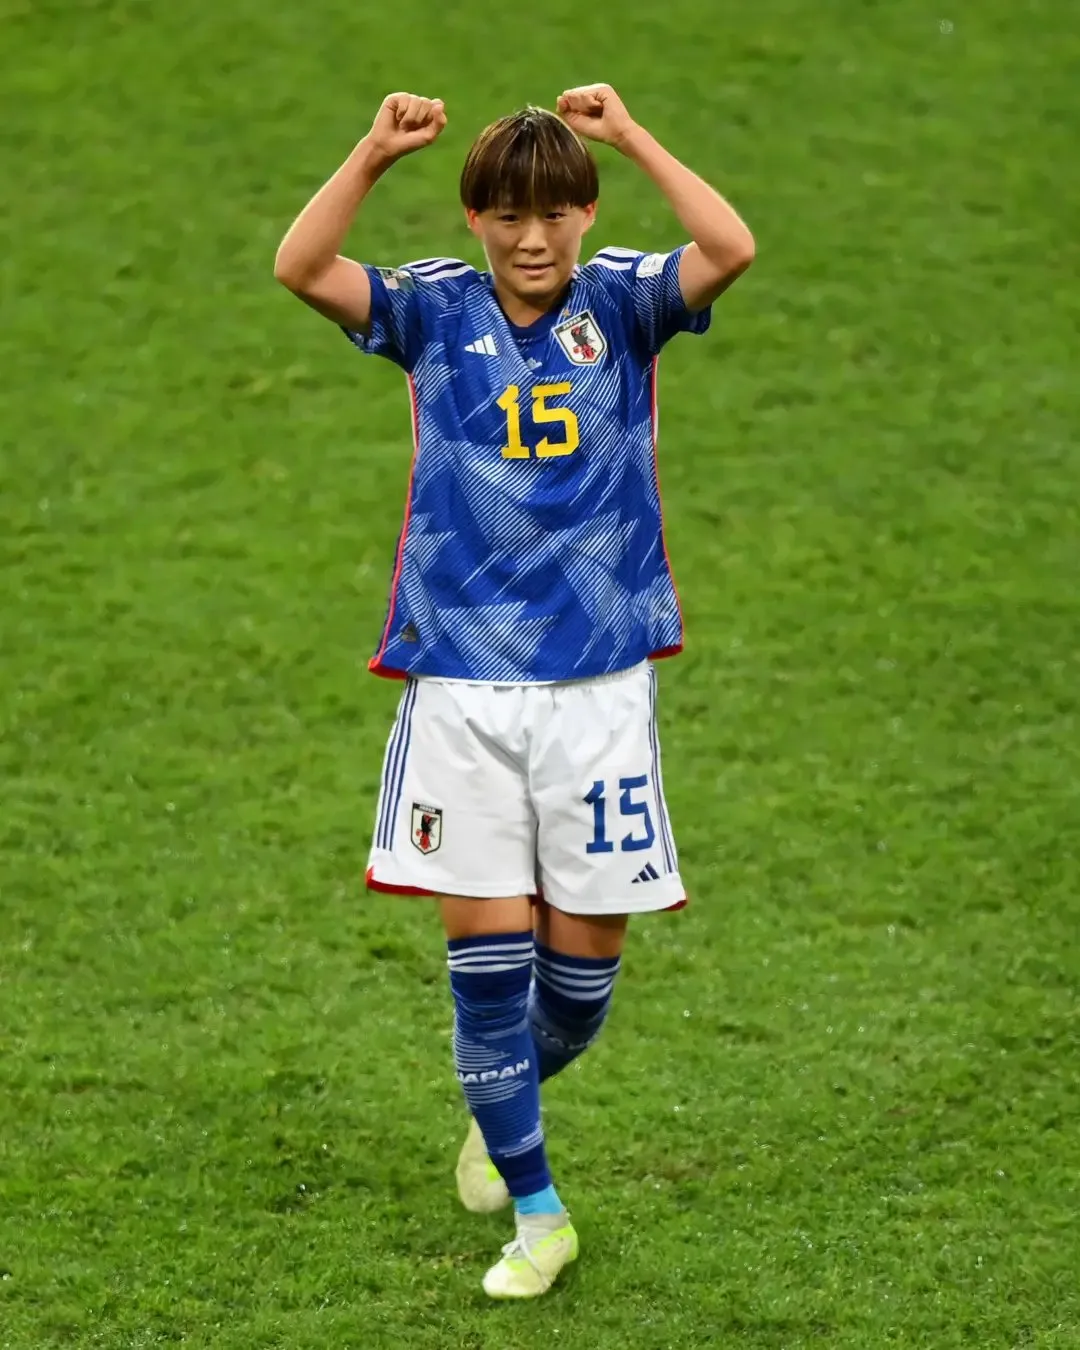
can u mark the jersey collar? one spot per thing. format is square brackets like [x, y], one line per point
[529, 334]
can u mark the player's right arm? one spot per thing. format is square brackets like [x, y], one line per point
[309, 261]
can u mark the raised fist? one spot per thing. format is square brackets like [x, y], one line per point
[407, 122]
[596, 112]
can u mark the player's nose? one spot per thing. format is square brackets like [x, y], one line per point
[532, 239]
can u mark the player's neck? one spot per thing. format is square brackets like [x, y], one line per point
[522, 311]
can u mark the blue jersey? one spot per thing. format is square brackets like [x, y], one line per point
[532, 548]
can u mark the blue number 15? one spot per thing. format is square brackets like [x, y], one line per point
[631, 843]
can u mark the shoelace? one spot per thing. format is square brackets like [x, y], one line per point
[520, 1250]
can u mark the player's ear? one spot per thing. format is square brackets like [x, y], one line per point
[472, 219]
[590, 217]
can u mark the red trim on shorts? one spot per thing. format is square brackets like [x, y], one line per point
[385, 888]
[375, 665]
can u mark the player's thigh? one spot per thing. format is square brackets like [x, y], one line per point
[604, 840]
[597, 936]
[470, 916]
[454, 816]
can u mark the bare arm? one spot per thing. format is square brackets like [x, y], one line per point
[722, 247]
[309, 261]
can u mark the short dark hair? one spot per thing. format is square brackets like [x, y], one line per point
[529, 160]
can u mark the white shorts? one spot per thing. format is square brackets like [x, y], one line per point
[499, 790]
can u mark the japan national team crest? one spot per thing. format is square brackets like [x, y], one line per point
[581, 339]
[426, 833]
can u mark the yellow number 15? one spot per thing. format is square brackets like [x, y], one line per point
[545, 449]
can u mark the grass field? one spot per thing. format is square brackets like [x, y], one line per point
[837, 1102]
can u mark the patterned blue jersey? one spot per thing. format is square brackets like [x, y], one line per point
[532, 548]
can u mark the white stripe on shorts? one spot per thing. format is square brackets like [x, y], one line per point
[666, 840]
[394, 772]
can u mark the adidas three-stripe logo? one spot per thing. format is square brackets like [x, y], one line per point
[484, 346]
[647, 873]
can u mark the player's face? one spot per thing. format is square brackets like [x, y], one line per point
[532, 254]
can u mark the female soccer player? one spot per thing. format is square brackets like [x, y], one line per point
[531, 593]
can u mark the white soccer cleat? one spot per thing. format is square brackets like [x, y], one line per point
[479, 1185]
[531, 1263]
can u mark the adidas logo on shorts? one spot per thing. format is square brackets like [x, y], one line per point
[647, 873]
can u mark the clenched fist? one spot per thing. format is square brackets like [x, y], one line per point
[596, 112]
[406, 122]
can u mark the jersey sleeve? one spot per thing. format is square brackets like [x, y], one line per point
[405, 306]
[649, 283]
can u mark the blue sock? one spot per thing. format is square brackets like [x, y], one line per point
[570, 998]
[543, 1202]
[496, 1061]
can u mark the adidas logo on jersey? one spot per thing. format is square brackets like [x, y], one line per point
[647, 873]
[484, 346]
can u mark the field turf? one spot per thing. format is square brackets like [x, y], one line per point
[837, 1102]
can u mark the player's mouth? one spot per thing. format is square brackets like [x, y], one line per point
[534, 269]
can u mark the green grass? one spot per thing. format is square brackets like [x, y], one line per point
[836, 1102]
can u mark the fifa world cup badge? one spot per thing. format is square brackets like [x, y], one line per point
[426, 833]
[395, 279]
[581, 339]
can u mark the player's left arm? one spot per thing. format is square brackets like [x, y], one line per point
[722, 246]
